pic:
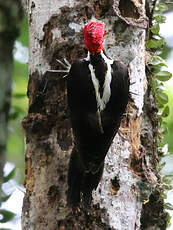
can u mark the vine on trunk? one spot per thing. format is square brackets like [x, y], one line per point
[155, 72]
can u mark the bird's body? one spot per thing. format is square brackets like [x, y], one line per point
[97, 89]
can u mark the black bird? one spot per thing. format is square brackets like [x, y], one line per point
[98, 90]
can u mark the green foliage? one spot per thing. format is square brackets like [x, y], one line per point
[6, 216]
[155, 29]
[5, 229]
[155, 45]
[165, 112]
[168, 206]
[160, 19]
[162, 98]
[4, 198]
[163, 75]
[167, 179]
[9, 176]
[15, 145]
[160, 8]
[156, 62]
[19, 105]
[169, 120]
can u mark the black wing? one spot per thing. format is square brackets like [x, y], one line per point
[112, 115]
[92, 141]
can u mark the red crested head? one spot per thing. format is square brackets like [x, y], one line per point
[94, 33]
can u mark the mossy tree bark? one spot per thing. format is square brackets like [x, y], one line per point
[130, 176]
[10, 16]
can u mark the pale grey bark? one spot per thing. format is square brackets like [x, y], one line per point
[56, 32]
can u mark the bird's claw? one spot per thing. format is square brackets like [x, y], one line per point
[66, 64]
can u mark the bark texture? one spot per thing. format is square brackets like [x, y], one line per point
[129, 176]
[10, 15]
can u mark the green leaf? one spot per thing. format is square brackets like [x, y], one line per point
[164, 128]
[154, 84]
[159, 120]
[154, 43]
[162, 164]
[163, 195]
[156, 60]
[5, 229]
[161, 106]
[167, 179]
[155, 29]
[168, 206]
[164, 131]
[165, 112]
[4, 198]
[16, 112]
[9, 176]
[162, 98]
[164, 123]
[161, 7]
[160, 19]
[163, 75]
[167, 187]
[13, 115]
[6, 215]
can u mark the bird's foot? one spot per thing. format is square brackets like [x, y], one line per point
[65, 64]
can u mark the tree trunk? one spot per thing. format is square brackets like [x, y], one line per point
[10, 15]
[130, 176]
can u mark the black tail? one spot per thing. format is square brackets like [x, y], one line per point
[90, 183]
[81, 183]
[75, 175]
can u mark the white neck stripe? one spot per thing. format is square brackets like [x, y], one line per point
[88, 57]
[102, 101]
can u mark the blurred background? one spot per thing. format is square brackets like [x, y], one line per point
[14, 168]
[12, 186]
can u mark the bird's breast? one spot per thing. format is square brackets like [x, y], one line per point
[102, 89]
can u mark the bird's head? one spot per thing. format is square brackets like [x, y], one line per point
[94, 33]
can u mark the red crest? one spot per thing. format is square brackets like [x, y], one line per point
[94, 33]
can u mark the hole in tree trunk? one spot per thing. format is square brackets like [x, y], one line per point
[128, 9]
[115, 185]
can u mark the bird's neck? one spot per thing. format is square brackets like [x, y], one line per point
[99, 65]
[98, 58]
[100, 69]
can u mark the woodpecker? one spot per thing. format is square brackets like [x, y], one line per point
[97, 91]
